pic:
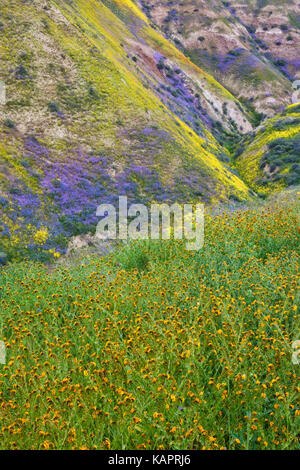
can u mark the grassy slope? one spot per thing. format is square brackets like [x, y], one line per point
[270, 160]
[79, 116]
[154, 347]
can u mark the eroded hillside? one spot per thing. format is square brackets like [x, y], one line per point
[252, 47]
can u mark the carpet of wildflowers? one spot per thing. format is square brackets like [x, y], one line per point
[155, 347]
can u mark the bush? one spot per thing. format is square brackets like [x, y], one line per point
[9, 123]
[53, 107]
[280, 62]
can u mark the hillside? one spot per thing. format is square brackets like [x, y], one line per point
[268, 160]
[99, 103]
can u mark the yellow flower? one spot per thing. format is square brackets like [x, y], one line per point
[41, 236]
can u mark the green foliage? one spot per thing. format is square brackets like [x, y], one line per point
[257, 117]
[9, 123]
[53, 107]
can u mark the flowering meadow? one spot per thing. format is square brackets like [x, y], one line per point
[156, 347]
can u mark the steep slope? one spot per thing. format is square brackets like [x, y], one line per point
[100, 104]
[252, 47]
[270, 159]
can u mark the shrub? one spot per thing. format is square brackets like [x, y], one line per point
[280, 62]
[53, 107]
[92, 92]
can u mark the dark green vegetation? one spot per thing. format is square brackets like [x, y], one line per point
[251, 47]
[283, 154]
[101, 103]
[149, 346]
